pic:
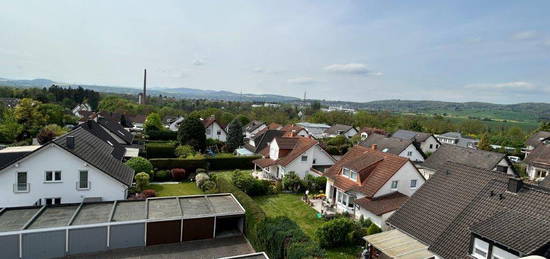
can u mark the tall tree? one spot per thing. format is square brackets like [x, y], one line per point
[10, 129]
[153, 122]
[192, 132]
[235, 137]
[484, 143]
[49, 132]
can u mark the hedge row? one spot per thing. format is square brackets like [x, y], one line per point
[162, 134]
[157, 150]
[211, 163]
[254, 213]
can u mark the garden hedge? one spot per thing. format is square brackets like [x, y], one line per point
[254, 213]
[162, 135]
[212, 163]
[157, 150]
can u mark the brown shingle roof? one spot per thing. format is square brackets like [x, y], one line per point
[292, 127]
[375, 172]
[298, 145]
[383, 204]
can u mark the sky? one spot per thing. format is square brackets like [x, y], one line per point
[490, 51]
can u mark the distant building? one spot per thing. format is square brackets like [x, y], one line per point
[340, 129]
[536, 139]
[81, 110]
[9, 102]
[455, 138]
[316, 130]
[426, 141]
[401, 147]
[253, 127]
[338, 108]
[214, 130]
[538, 162]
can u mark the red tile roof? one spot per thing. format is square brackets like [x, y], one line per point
[374, 167]
[383, 204]
[298, 146]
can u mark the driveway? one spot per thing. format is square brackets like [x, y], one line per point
[203, 249]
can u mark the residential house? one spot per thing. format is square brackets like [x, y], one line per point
[487, 160]
[71, 168]
[340, 129]
[316, 130]
[536, 139]
[274, 126]
[214, 130]
[293, 129]
[426, 141]
[175, 124]
[467, 212]
[370, 183]
[253, 127]
[401, 147]
[261, 141]
[302, 155]
[366, 131]
[538, 162]
[83, 107]
[455, 138]
[138, 121]
[116, 130]
[121, 149]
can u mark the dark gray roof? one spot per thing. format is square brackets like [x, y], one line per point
[7, 159]
[539, 157]
[545, 183]
[435, 205]
[467, 156]
[537, 138]
[253, 125]
[518, 221]
[94, 128]
[116, 129]
[393, 145]
[338, 129]
[260, 141]
[411, 135]
[97, 153]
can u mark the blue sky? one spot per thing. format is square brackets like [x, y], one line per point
[495, 51]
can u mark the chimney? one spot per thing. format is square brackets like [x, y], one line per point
[374, 146]
[70, 142]
[144, 99]
[293, 133]
[515, 184]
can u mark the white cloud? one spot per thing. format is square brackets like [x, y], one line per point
[303, 81]
[198, 62]
[351, 68]
[516, 86]
[525, 35]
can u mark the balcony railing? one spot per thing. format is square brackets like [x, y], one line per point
[83, 185]
[21, 187]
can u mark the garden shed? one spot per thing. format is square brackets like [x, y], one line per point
[68, 229]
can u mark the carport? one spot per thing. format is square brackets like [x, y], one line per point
[60, 230]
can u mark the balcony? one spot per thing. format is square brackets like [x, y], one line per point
[21, 187]
[82, 186]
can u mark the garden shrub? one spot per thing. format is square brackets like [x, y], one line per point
[373, 229]
[208, 186]
[201, 178]
[142, 180]
[139, 164]
[292, 182]
[161, 135]
[364, 222]
[315, 184]
[178, 174]
[212, 163]
[356, 236]
[250, 185]
[335, 232]
[162, 175]
[280, 237]
[149, 193]
[160, 150]
[184, 151]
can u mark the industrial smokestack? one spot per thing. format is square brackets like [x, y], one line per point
[144, 86]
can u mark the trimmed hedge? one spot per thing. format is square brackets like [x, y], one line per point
[212, 163]
[157, 150]
[162, 135]
[254, 213]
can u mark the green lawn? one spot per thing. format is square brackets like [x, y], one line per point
[292, 206]
[175, 189]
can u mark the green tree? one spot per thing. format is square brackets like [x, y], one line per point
[484, 143]
[140, 164]
[153, 122]
[335, 232]
[142, 180]
[235, 136]
[27, 113]
[192, 132]
[9, 128]
[49, 132]
[373, 229]
[243, 119]
[184, 151]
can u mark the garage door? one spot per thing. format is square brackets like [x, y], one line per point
[163, 232]
[229, 226]
[87, 240]
[127, 235]
[195, 229]
[9, 245]
[44, 244]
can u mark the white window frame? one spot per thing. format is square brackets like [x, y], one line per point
[52, 200]
[26, 183]
[499, 253]
[78, 184]
[409, 153]
[53, 175]
[304, 158]
[396, 182]
[415, 181]
[480, 246]
[346, 172]
[353, 175]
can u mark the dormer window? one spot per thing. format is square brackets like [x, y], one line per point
[480, 249]
[350, 174]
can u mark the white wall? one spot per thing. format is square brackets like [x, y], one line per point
[504, 162]
[302, 168]
[531, 170]
[54, 158]
[425, 146]
[274, 150]
[213, 134]
[416, 156]
[350, 133]
[253, 133]
[404, 176]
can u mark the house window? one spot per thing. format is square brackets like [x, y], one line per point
[436, 145]
[53, 201]
[347, 172]
[502, 168]
[413, 184]
[480, 249]
[431, 146]
[339, 198]
[304, 158]
[83, 180]
[22, 185]
[409, 153]
[53, 176]
[394, 184]
[219, 132]
[350, 202]
[539, 173]
[353, 175]
[314, 161]
[499, 253]
[208, 131]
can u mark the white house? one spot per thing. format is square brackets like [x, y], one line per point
[396, 146]
[316, 130]
[456, 138]
[253, 127]
[540, 137]
[370, 183]
[427, 142]
[340, 129]
[538, 162]
[69, 169]
[214, 130]
[83, 107]
[302, 155]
